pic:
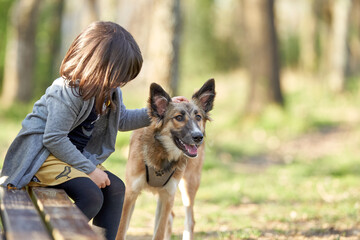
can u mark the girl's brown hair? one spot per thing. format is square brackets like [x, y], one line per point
[103, 57]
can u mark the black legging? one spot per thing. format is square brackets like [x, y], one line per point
[104, 205]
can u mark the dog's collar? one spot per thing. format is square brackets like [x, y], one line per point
[159, 178]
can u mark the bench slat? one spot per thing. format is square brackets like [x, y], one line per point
[64, 218]
[20, 217]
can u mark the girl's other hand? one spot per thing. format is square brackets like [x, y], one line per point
[100, 178]
[179, 99]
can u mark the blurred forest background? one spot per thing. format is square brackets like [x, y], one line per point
[283, 146]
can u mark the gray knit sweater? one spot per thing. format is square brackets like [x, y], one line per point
[46, 129]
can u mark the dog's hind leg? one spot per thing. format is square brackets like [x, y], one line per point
[188, 186]
[169, 225]
[188, 202]
[128, 209]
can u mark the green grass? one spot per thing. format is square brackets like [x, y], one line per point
[292, 173]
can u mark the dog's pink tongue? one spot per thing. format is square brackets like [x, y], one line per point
[192, 149]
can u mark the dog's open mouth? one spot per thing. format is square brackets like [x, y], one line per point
[190, 150]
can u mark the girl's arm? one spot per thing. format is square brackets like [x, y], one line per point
[63, 111]
[131, 119]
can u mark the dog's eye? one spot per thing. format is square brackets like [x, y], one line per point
[198, 117]
[179, 118]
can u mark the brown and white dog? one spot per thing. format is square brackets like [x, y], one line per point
[168, 152]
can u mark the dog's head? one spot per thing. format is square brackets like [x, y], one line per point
[180, 127]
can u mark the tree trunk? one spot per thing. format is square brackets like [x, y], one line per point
[338, 47]
[20, 53]
[140, 27]
[307, 36]
[77, 15]
[262, 55]
[354, 41]
[164, 44]
[55, 40]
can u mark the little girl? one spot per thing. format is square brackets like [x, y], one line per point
[72, 128]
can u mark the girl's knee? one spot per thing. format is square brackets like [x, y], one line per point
[95, 197]
[116, 190]
[86, 194]
[120, 185]
[92, 203]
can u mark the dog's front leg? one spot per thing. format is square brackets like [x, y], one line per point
[163, 211]
[128, 209]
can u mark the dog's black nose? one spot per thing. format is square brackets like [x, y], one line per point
[197, 137]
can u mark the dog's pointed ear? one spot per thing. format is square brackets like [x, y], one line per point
[159, 101]
[205, 96]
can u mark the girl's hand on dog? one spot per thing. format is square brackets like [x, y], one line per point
[179, 99]
[100, 178]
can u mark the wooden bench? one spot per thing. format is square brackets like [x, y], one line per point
[42, 213]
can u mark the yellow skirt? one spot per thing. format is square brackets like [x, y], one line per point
[54, 172]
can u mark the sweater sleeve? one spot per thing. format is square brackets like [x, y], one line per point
[63, 110]
[131, 119]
